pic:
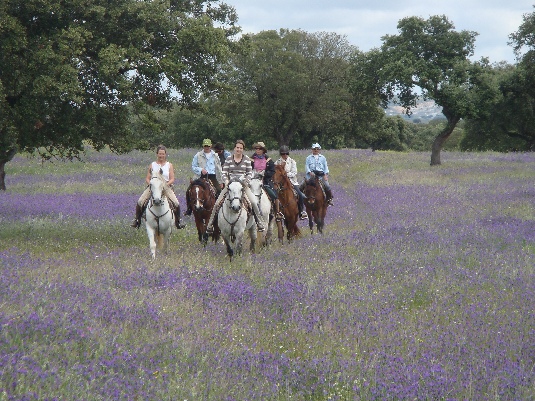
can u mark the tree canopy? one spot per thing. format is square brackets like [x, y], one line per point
[289, 84]
[72, 72]
[429, 59]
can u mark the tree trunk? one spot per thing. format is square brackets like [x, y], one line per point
[441, 138]
[2, 176]
[4, 158]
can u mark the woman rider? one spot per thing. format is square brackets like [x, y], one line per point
[168, 173]
[238, 167]
[265, 167]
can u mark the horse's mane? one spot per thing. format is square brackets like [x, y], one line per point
[279, 168]
[311, 182]
[200, 182]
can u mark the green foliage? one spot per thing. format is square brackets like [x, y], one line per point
[429, 59]
[73, 72]
[288, 87]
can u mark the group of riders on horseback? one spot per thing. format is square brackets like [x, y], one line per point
[219, 167]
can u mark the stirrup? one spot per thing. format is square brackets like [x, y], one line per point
[210, 230]
[303, 215]
[330, 202]
[135, 224]
[260, 228]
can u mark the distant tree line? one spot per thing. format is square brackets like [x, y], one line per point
[133, 74]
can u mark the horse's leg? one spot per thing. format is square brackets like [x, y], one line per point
[230, 251]
[152, 242]
[253, 236]
[166, 238]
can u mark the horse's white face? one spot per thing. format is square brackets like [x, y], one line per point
[235, 194]
[156, 189]
[256, 186]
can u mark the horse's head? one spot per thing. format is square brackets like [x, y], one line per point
[280, 178]
[310, 191]
[235, 195]
[157, 183]
[256, 187]
[198, 194]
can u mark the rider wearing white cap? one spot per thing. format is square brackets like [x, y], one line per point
[316, 165]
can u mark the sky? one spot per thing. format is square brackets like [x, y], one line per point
[364, 22]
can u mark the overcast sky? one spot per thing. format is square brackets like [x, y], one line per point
[364, 22]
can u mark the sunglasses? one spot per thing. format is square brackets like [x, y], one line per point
[206, 146]
[282, 154]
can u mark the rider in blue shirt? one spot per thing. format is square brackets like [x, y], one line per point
[316, 165]
[206, 164]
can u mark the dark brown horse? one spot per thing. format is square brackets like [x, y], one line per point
[316, 204]
[287, 202]
[202, 200]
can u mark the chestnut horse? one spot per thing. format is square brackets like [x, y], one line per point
[202, 201]
[287, 202]
[316, 204]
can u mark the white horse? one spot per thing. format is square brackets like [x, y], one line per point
[234, 218]
[264, 205]
[159, 219]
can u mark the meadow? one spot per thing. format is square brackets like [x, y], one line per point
[421, 287]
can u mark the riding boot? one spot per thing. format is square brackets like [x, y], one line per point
[137, 221]
[188, 211]
[329, 197]
[177, 218]
[302, 213]
[258, 218]
[259, 225]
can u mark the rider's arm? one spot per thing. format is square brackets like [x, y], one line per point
[291, 170]
[326, 168]
[308, 161]
[248, 171]
[270, 170]
[195, 165]
[149, 174]
[171, 175]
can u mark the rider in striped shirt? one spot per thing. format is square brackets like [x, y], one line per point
[238, 167]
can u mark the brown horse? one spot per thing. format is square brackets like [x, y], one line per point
[287, 201]
[202, 200]
[316, 204]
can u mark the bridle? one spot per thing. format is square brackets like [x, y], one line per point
[152, 203]
[195, 190]
[233, 224]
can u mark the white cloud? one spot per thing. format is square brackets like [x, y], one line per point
[365, 22]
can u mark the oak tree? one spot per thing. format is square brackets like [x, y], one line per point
[72, 72]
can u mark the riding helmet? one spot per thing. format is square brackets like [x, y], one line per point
[284, 149]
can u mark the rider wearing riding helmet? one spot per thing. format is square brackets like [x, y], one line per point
[237, 167]
[161, 164]
[316, 165]
[291, 171]
[265, 167]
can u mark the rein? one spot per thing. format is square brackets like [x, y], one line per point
[233, 224]
[149, 208]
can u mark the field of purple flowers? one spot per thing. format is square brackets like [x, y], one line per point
[422, 287]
